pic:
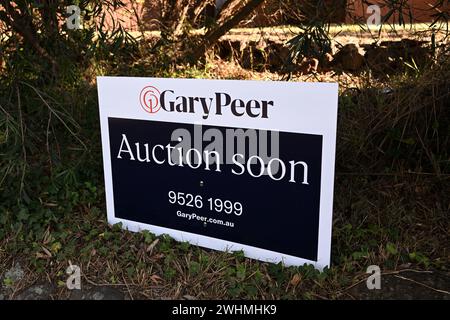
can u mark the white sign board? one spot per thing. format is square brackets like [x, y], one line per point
[228, 165]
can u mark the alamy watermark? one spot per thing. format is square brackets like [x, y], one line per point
[73, 21]
[73, 282]
[374, 12]
[253, 151]
[374, 280]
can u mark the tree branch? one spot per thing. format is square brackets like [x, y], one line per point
[213, 35]
[22, 24]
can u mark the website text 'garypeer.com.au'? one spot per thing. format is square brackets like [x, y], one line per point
[205, 220]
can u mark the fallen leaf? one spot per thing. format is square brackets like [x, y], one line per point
[46, 251]
[155, 278]
[152, 246]
[295, 280]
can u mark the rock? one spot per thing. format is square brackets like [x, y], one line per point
[227, 49]
[268, 54]
[277, 56]
[393, 56]
[406, 286]
[326, 63]
[308, 65]
[348, 58]
[404, 43]
[97, 293]
[2, 297]
[421, 56]
[14, 274]
[36, 292]
[409, 50]
[379, 60]
[249, 54]
[253, 56]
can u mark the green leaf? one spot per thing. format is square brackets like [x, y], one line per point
[8, 282]
[391, 248]
[240, 272]
[23, 214]
[194, 267]
[409, 141]
[251, 290]
[357, 255]
[56, 247]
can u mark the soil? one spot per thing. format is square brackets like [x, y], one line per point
[398, 285]
[407, 285]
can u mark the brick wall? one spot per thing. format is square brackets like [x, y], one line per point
[147, 11]
[421, 10]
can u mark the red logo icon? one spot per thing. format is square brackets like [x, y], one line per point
[149, 99]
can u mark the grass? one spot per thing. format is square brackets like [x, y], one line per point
[376, 222]
[391, 201]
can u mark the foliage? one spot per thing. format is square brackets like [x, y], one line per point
[177, 16]
[404, 125]
[314, 19]
[312, 41]
[44, 67]
[37, 44]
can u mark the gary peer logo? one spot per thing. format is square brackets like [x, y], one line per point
[149, 99]
[152, 100]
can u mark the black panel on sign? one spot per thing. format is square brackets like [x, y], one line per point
[280, 216]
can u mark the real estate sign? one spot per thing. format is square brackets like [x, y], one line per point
[224, 164]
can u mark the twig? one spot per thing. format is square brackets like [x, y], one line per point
[128, 288]
[318, 296]
[22, 131]
[107, 284]
[56, 115]
[423, 284]
[47, 133]
[352, 286]
[393, 174]
[406, 270]
[383, 274]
